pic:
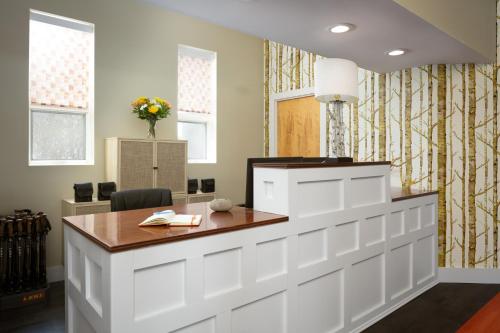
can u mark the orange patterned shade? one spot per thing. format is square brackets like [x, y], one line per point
[59, 66]
[195, 84]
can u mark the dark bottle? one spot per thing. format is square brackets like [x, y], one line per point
[27, 255]
[19, 255]
[45, 227]
[9, 284]
[3, 259]
[36, 252]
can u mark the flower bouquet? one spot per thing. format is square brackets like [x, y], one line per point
[152, 110]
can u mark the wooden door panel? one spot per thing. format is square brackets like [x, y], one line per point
[298, 127]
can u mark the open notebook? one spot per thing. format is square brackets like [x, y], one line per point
[168, 217]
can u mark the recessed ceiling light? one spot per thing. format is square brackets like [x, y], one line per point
[396, 52]
[341, 28]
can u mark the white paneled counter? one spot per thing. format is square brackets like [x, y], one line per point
[354, 255]
[346, 256]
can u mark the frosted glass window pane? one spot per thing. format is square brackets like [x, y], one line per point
[57, 136]
[196, 135]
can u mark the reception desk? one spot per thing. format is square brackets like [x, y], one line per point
[325, 250]
[358, 248]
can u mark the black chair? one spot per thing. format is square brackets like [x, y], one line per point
[143, 198]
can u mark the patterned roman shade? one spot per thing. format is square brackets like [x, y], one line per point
[195, 84]
[59, 66]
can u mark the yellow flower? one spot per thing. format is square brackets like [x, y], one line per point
[153, 109]
[160, 100]
[163, 102]
[140, 101]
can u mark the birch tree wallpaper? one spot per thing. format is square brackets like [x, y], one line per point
[438, 124]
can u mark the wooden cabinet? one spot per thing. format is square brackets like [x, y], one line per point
[137, 163]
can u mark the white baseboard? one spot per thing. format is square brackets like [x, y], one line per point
[469, 275]
[55, 273]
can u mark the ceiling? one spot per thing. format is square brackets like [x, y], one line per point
[380, 25]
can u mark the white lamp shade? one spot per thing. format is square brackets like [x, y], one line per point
[335, 80]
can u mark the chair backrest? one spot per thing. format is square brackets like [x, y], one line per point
[142, 198]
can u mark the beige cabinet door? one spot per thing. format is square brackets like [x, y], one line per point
[136, 164]
[171, 159]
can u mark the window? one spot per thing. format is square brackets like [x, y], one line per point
[61, 92]
[197, 100]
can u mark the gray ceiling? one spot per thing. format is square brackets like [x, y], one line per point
[381, 25]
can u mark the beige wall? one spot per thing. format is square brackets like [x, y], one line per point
[450, 16]
[136, 54]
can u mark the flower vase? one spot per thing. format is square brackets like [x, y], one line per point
[152, 128]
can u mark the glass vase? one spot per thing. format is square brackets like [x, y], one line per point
[152, 129]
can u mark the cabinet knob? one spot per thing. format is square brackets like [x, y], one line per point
[155, 168]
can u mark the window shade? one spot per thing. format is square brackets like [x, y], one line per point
[59, 66]
[195, 84]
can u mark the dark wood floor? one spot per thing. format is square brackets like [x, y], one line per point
[43, 318]
[442, 309]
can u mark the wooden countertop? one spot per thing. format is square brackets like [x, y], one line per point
[398, 193]
[119, 231]
[301, 165]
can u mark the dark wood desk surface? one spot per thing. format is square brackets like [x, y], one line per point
[119, 231]
[398, 193]
[303, 165]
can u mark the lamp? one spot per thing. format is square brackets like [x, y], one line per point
[336, 83]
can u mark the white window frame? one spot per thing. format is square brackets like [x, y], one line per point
[209, 119]
[89, 112]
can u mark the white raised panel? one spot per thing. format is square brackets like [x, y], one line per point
[77, 321]
[159, 288]
[74, 266]
[413, 221]
[396, 224]
[321, 303]
[316, 197]
[424, 259]
[93, 285]
[222, 272]
[271, 259]
[367, 191]
[266, 315]
[346, 237]
[269, 189]
[312, 247]
[204, 326]
[427, 215]
[367, 281]
[400, 270]
[373, 230]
